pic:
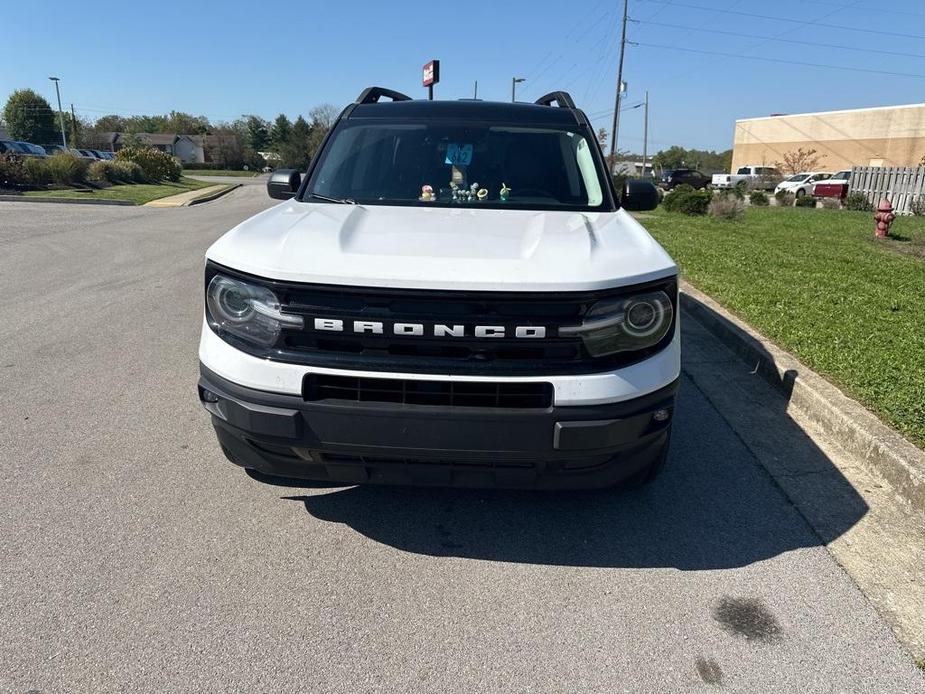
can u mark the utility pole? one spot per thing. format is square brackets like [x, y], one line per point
[614, 131]
[73, 126]
[60, 112]
[475, 92]
[645, 137]
[514, 82]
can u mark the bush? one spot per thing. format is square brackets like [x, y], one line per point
[831, 203]
[858, 202]
[65, 168]
[128, 172]
[918, 206]
[11, 172]
[35, 171]
[806, 201]
[727, 207]
[759, 198]
[102, 171]
[738, 191]
[784, 198]
[686, 200]
[157, 165]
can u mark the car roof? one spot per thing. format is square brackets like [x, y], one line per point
[467, 109]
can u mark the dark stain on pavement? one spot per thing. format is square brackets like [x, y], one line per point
[748, 617]
[709, 671]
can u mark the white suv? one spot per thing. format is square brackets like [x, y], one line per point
[452, 295]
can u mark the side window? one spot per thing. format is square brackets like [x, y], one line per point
[744, 171]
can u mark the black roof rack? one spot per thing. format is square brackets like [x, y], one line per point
[371, 95]
[561, 99]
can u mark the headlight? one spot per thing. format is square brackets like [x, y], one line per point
[247, 311]
[624, 324]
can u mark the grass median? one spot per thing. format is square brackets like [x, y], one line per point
[819, 285]
[137, 193]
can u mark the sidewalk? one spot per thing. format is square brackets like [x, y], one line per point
[193, 197]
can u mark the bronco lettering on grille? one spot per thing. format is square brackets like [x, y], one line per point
[360, 327]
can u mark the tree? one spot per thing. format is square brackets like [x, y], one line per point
[280, 133]
[707, 161]
[29, 117]
[800, 160]
[186, 124]
[257, 133]
[323, 117]
[110, 124]
[602, 137]
[296, 153]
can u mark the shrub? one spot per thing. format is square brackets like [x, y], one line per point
[806, 201]
[759, 198]
[35, 171]
[102, 171]
[157, 165]
[918, 206]
[727, 207]
[11, 171]
[858, 202]
[66, 168]
[831, 203]
[738, 190]
[784, 198]
[128, 172]
[670, 201]
[686, 200]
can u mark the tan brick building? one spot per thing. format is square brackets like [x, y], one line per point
[885, 136]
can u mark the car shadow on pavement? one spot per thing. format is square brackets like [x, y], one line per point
[715, 505]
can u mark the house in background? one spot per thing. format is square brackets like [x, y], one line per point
[883, 136]
[186, 148]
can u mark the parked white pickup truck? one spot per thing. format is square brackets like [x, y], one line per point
[755, 178]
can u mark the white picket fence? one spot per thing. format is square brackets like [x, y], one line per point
[902, 185]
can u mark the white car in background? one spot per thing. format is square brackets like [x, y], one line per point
[802, 183]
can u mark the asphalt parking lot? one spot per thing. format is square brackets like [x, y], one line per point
[133, 557]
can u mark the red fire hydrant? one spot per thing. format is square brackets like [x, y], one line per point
[884, 218]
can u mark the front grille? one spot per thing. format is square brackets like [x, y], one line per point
[319, 387]
[427, 353]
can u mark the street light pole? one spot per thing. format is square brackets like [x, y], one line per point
[60, 112]
[514, 81]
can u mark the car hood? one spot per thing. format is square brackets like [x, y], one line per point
[443, 248]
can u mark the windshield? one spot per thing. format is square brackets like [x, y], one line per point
[799, 178]
[441, 163]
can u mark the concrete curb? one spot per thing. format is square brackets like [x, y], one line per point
[73, 201]
[881, 450]
[214, 196]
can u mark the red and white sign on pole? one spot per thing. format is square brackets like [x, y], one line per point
[431, 76]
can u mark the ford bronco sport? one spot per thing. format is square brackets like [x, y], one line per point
[452, 295]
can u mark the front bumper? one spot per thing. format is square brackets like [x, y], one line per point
[373, 442]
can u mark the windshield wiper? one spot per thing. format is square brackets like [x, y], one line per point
[342, 201]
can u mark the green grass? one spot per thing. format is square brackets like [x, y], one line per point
[219, 172]
[818, 284]
[138, 193]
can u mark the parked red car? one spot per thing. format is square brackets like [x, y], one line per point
[835, 187]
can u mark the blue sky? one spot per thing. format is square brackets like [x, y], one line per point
[230, 58]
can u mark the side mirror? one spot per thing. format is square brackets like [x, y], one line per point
[284, 183]
[639, 196]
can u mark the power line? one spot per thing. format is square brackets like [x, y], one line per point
[777, 38]
[779, 60]
[739, 13]
[870, 10]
